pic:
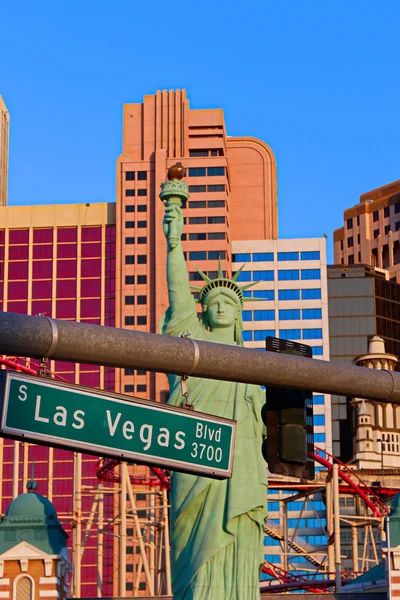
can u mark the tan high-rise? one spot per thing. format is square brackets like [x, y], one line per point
[4, 135]
[371, 232]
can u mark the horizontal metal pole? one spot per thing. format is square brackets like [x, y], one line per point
[36, 337]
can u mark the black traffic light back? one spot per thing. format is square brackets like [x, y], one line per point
[288, 415]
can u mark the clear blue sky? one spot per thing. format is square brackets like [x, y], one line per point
[318, 80]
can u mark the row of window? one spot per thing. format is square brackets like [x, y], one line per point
[140, 320]
[196, 189]
[131, 176]
[211, 255]
[206, 171]
[291, 314]
[131, 240]
[64, 234]
[283, 275]
[131, 371]
[140, 259]
[195, 276]
[130, 208]
[140, 279]
[306, 294]
[138, 224]
[209, 204]
[204, 236]
[375, 215]
[213, 152]
[258, 335]
[204, 220]
[129, 388]
[282, 256]
[129, 300]
[141, 192]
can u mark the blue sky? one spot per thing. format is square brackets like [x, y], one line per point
[318, 80]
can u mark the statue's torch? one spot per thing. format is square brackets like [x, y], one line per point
[173, 192]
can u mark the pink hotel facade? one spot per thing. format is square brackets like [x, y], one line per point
[105, 264]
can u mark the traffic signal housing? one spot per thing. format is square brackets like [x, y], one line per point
[288, 415]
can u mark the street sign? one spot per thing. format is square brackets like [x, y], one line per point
[82, 419]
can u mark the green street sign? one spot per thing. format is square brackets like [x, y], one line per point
[82, 419]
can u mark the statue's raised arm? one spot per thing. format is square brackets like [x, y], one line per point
[174, 191]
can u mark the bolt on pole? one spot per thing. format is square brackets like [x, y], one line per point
[38, 337]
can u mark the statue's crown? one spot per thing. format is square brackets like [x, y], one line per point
[223, 282]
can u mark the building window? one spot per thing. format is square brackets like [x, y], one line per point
[312, 313]
[376, 233]
[142, 224]
[351, 259]
[288, 294]
[386, 211]
[387, 229]
[311, 294]
[216, 236]
[198, 153]
[312, 334]
[216, 220]
[358, 238]
[397, 208]
[264, 315]
[142, 320]
[130, 193]
[129, 300]
[359, 257]
[129, 260]
[217, 254]
[375, 216]
[244, 276]
[216, 188]
[216, 204]
[247, 336]
[142, 240]
[288, 274]
[130, 176]
[261, 334]
[141, 279]
[142, 208]
[142, 192]
[129, 208]
[311, 274]
[241, 257]
[129, 224]
[349, 223]
[263, 257]
[310, 255]
[129, 240]
[288, 256]
[197, 172]
[202, 255]
[290, 334]
[142, 259]
[199, 204]
[129, 371]
[397, 226]
[215, 171]
[197, 236]
[263, 275]
[350, 242]
[141, 387]
[129, 388]
[197, 221]
[194, 189]
[142, 175]
[289, 314]
[319, 420]
[317, 399]
[247, 315]
[129, 279]
[317, 350]
[142, 299]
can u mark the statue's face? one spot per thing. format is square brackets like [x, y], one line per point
[221, 311]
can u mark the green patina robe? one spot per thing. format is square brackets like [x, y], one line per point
[217, 527]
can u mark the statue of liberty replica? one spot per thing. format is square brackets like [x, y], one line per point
[217, 527]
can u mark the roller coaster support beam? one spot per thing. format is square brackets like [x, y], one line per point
[38, 337]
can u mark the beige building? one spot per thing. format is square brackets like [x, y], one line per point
[371, 232]
[4, 135]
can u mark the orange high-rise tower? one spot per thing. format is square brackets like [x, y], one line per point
[4, 135]
[232, 186]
